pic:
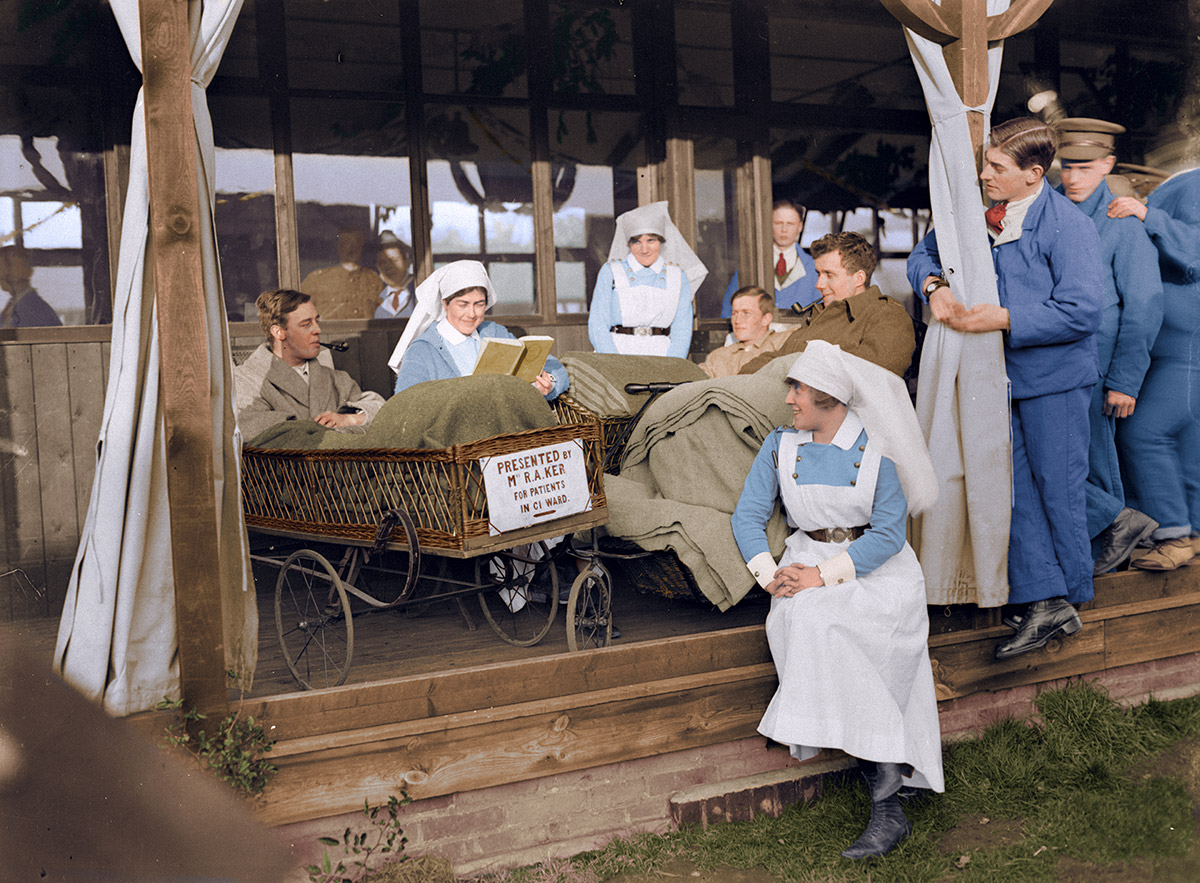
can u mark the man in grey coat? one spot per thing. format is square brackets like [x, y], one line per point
[291, 378]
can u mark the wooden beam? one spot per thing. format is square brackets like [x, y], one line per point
[178, 279]
[418, 150]
[537, 36]
[680, 174]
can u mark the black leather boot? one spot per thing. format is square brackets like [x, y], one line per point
[888, 825]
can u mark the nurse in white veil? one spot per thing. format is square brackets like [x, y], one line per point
[848, 624]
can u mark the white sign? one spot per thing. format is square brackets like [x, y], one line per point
[536, 485]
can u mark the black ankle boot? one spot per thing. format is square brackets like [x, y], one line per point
[888, 825]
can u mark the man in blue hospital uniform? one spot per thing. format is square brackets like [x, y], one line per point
[1131, 319]
[1160, 443]
[795, 273]
[1047, 258]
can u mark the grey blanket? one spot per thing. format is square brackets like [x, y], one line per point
[684, 469]
[598, 379]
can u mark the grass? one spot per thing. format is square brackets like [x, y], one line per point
[1060, 786]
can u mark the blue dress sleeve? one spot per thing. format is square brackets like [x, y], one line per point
[760, 494]
[601, 312]
[889, 520]
[681, 325]
[923, 262]
[417, 366]
[727, 302]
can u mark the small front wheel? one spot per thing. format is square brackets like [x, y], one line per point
[589, 611]
[312, 619]
[519, 593]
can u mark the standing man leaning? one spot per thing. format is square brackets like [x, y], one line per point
[1133, 311]
[1047, 258]
[795, 275]
[753, 313]
[291, 378]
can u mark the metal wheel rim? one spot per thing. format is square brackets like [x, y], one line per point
[315, 621]
[517, 629]
[589, 611]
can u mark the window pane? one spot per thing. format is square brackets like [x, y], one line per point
[344, 45]
[481, 197]
[52, 201]
[595, 157]
[350, 164]
[592, 45]
[240, 58]
[245, 211]
[716, 220]
[704, 52]
[466, 51]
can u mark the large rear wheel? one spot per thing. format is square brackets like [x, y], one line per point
[312, 619]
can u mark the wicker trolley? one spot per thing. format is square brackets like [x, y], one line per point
[381, 512]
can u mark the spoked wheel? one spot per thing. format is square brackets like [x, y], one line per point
[519, 594]
[589, 611]
[312, 619]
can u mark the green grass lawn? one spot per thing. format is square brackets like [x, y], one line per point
[1085, 791]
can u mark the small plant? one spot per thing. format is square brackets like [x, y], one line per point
[384, 837]
[234, 752]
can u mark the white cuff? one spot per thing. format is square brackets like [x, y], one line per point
[838, 569]
[763, 567]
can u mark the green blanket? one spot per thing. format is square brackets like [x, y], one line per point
[436, 414]
[598, 379]
[684, 469]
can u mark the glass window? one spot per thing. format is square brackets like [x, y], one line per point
[344, 45]
[716, 220]
[240, 58]
[481, 196]
[245, 209]
[350, 165]
[595, 158]
[704, 52]
[466, 51]
[592, 47]
[53, 207]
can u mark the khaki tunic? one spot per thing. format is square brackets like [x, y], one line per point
[728, 360]
[339, 293]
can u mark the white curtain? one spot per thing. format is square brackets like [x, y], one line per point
[117, 639]
[962, 389]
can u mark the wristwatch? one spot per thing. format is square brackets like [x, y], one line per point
[934, 284]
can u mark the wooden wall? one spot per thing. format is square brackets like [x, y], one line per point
[51, 404]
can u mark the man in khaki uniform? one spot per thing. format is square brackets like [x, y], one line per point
[752, 315]
[348, 290]
[861, 320]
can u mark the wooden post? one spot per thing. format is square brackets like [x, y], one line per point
[174, 260]
[964, 29]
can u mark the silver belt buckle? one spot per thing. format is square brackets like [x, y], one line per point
[839, 534]
[642, 331]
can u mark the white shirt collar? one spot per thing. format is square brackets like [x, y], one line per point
[789, 255]
[635, 265]
[846, 435]
[1014, 217]
[451, 334]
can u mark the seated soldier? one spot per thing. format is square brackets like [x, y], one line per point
[861, 320]
[291, 378]
[753, 313]
[443, 337]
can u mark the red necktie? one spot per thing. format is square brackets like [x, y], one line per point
[396, 300]
[995, 215]
[781, 267]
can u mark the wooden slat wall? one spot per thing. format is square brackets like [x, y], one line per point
[47, 461]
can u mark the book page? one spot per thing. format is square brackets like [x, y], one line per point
[537, 348]
[498, 356]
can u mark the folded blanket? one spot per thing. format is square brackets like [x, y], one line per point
[598, 379]
[684, 469]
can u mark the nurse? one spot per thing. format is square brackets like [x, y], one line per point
[642, 303]
[446, 330]
[848, 624]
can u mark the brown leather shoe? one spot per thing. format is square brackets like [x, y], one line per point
[1167, 555]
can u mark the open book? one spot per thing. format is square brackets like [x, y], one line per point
[524, 358]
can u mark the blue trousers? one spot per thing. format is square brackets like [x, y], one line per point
[1160, 448]
[1049, 553]
[1105, 493]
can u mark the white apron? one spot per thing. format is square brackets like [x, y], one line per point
[852, 659]
[645, 306]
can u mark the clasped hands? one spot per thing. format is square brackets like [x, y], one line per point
[952, 314]
[792, 579]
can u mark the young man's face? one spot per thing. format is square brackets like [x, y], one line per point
[1080, 179]
[1005, 180]
[465, 312]
[749, 322]
[786, 227]
[834, 281]
[299, 339]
